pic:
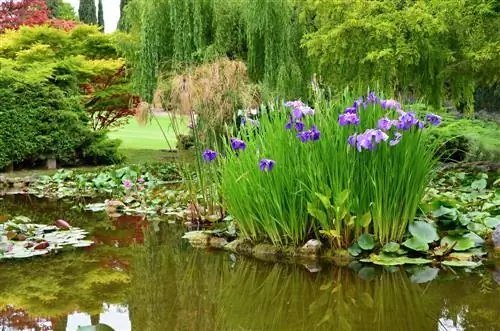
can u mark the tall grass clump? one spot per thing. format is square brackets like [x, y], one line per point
[339, 170]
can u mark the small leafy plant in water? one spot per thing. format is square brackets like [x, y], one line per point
[20, 238]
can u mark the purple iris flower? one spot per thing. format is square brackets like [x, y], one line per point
[352, 140]
[396, 139]
[304, 136]
[299, 126]
[289, 124]
[384, 124]
[209, 155]
[306, 110]
[266, 164]
[368, 139]
[365, 142]
[390, 104]
[372, 98]
[238, 144]
[358, 102]
[350, 110]
[312, 134]
[433, 119]
[315, 134]
[297, 113]
[420, 125]
[348, 118]
[376, 134]
[295, 104]
[406, 121]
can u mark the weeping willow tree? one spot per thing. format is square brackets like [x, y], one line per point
[434, 49]
[176, 34]
[274, 54]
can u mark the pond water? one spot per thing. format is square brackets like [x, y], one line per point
[152, 280]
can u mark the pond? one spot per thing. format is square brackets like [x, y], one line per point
[137, 278]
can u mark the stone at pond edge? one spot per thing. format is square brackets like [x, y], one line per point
[197, 238]
[496, 275]
[496, 238]
[239, 246]
[311, 248]
[266, 252]
[217, 242]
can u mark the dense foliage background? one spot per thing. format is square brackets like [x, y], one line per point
[429, 49]
[59, 91]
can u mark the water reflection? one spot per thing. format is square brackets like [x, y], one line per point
[198, 290]
[163, 284]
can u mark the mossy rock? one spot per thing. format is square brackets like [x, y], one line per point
[266, 252]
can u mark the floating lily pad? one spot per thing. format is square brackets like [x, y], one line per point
[354, 250]
[458, 263]
[366, 242]
[459, 243]
[424, 275]
[477, 228]
[37, 239]
[416, 244]
[446, 213]
[479, 184]
[426, 232]
[492, 222]
[478, 241]
[387, 260]
[391, 247]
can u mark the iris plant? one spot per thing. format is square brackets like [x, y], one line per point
[266, 164]
[209, 155]
[238, 145]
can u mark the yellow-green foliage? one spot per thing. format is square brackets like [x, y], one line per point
[43, 71]
[432, 49]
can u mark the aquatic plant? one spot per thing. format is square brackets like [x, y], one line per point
[355, 168]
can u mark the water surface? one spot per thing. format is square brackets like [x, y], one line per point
[153, 281]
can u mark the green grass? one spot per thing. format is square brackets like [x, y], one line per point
[147, 137]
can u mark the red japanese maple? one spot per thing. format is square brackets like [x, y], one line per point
[108, 100]
[15, 13]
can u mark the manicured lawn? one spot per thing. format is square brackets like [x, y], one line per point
[147, 143]
[149, 136]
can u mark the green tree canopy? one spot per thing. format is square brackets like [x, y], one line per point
[87, 12]
[426, 48]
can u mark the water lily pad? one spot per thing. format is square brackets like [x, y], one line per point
[477, 228]
[354, 250]
[478, 241]
[479, 184]
[446, 213]
[416, 244]
[426, 232]
[391, 247]
[366, 241]
[459, 243]
[424, 275]
[492, 222]
[457, 263]
[388, 260]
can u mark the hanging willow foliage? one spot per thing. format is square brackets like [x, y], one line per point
[177, 33]
[435, 49]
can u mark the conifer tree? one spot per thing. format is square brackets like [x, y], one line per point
[100, 16]
[121, 24]
[87, 12]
